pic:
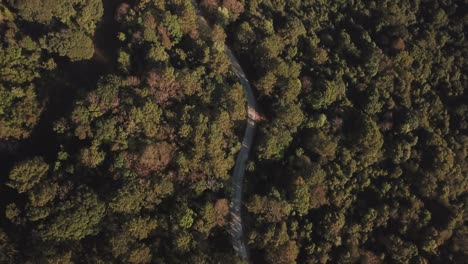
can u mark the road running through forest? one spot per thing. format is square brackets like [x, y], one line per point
[236, 228]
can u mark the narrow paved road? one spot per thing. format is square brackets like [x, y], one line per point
[236, 230]
[237, 233]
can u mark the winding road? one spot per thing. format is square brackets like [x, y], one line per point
[236, 230]
[237, 233]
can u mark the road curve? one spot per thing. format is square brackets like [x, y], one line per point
[236, 229]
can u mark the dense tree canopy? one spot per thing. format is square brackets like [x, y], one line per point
[365, 137]
[135, 148]
[120, 122]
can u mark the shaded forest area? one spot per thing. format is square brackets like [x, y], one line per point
[363, 154]
[120, 121]
[119, 126]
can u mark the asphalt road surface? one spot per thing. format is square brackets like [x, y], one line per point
[236, 230]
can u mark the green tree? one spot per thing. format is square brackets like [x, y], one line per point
[139, 255]
[75, 218]
[369, 141]
[19, 112]
[82, 14]
[91, 157]
[327, 92]
[27, 174]
[44, 11]
[285, 254]
[141, 227]
[269, 209]
[185, 217]
[43, 193]
[320, 143]
[73, 44]
[21, 66]
[300, 197]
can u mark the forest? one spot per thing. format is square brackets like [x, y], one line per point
[120, 123]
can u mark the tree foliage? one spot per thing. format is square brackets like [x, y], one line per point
[27, 174]
[120, 123]
[363, 121]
